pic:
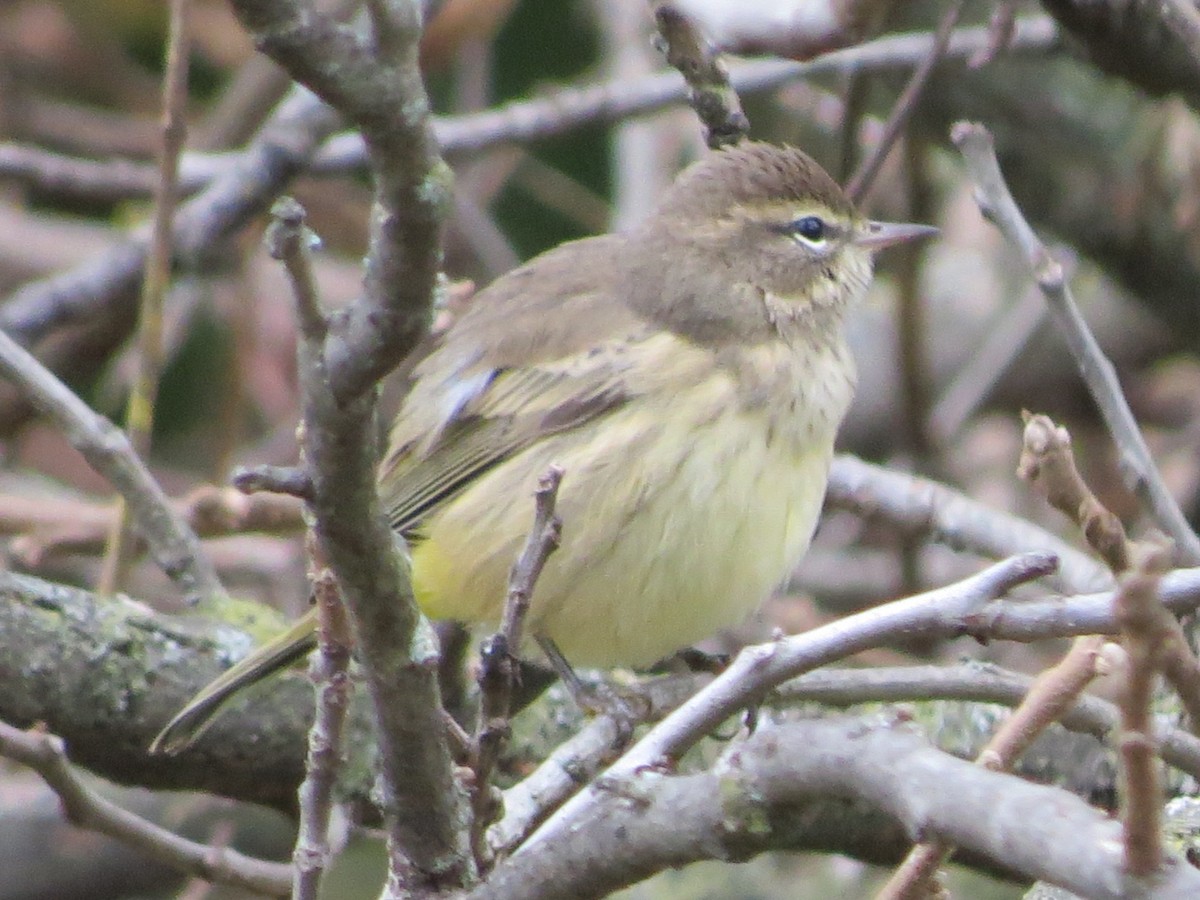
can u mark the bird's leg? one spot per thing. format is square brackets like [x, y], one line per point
[596, 700]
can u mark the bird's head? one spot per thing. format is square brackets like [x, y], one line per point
[760, 220]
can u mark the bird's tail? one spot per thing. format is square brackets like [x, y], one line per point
[281, 651]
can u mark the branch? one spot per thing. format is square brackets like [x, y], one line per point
[1137, 609]
[709, 91]
[766, 791]
[759, 669]
[330, 674]
[500, 667]
[151, 354]
[85, 808]
[45, 526]
[522, 121]
[997, 204]
[921, 506]
[172, 543]
[107, 674]
[862, 180]
[106, 287]
[1047, 700]
[339, 359]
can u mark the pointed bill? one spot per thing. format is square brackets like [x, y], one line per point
[877, 235]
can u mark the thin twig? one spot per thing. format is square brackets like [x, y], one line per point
[1048, 463]
[864, 178]
[143, 394]
[1001, 27]
[289, 241]
[925, 507]
[500, 667]
[997, 204]
[45, 527]
[711, 95]
[1047, 459]
[330, 672]
[173, 545]
[1149, 634]
[290, 480]
[1137, 608]
[45, 755]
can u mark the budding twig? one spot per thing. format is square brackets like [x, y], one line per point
[500, 667]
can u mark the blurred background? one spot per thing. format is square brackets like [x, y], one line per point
[1102, 151]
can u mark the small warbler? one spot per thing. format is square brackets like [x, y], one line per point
[688, 376]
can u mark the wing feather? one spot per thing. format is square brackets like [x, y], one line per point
[542, 350]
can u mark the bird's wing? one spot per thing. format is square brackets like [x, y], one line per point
[541, 351]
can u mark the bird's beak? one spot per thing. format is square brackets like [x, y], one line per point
[877, 235]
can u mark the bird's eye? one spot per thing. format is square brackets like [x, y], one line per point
[810, 228]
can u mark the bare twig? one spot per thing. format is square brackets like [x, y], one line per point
[500, 667]
[1137, 609]
[571, 108]
[289, 241]
[1048, 463]
[173, 545]
[924, 507]
[143, 394]
[290, 480]
[709, 91]
[975, 143]
[375, 81]
[1000, 30]
[239, 190]
[864, 178]
[1036, 620]
[330, 673]
[45, 527]
[44, 754]
[1047, 460]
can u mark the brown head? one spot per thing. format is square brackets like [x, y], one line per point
[749, 223]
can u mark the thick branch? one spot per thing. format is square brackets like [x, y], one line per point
[106, 675]
[375, 82]
[647, 820]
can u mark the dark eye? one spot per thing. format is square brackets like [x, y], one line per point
[811, 228]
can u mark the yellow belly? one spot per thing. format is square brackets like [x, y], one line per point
[680, 515]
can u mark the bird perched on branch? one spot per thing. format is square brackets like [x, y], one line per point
[689, 377]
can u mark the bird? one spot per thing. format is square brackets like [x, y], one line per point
[688, 376]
